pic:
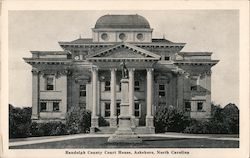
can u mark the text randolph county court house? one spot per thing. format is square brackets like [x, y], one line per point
[87, 73]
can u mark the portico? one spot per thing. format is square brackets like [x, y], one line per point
[111, 66]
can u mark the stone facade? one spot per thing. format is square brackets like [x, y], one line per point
[87, 73]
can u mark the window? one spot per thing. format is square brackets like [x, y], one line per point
[107, 85]
[140, 36]
[199, 106]
[107, 110]
[82, 90]
[43, 106]
[188, 106]
[167, 58]
[50, 83]
[55, 106]
[118, 109]
[193, 88]
[120, 86]
[161, 90]
[50, 105]
[137, 110]
[137, 86]
[104, 36]
[122, 36]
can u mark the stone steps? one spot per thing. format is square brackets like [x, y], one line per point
[137, 130]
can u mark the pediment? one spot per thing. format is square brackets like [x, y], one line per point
[124, 51]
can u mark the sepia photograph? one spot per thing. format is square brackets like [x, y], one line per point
[153, 82]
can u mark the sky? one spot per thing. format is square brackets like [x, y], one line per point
[214, 31]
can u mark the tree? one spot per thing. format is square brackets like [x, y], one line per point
[19, 121]
[223, 121]
[231, 113]
[78, 120]
[170, 119]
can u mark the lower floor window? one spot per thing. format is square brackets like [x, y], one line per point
[137, 110]
[82, 105]
[55, 106]
[187, 106]
[49, 105]
[43, 106]
[118, 108]
[199, 106]
[107, 110]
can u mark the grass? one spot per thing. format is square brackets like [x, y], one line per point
[148, 142]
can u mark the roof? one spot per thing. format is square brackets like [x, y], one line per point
[195, 53]
[82, 40]
[122, 21]
[90, 41]
[50, 52]
[160, 40]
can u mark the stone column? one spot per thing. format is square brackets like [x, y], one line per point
[149, 117]
[94, 117]
[35, 94]
[131, 97]
[113, 118]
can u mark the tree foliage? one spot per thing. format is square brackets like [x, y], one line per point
[78, 120]
[19, 121]
[169, 119]
[223, 121]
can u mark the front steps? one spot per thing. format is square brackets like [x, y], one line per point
[137, 130]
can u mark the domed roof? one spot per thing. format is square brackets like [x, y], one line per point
[122, 21]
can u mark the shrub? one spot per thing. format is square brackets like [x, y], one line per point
[223, 121]
[48, 129]
[102, 121]
[19, 121]
[169, 119]
[78, 120]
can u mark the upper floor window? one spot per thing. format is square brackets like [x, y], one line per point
[50, 83]
[187, 106]
[82, 90]
[107, 85]
[140, 36]
[199, 106]
[107, 110]
[161, 90]
[137, 86]
[167, 58]
[104, 36]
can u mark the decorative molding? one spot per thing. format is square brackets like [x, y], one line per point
[149, 70]
[35, 71]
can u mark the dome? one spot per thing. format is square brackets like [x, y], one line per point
[122, 21]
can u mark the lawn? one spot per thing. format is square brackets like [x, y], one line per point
[148, 142]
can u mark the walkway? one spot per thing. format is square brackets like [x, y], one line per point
[37, 140]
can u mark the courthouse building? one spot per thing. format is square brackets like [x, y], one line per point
[87, 73]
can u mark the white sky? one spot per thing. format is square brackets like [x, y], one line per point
[213, 31]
